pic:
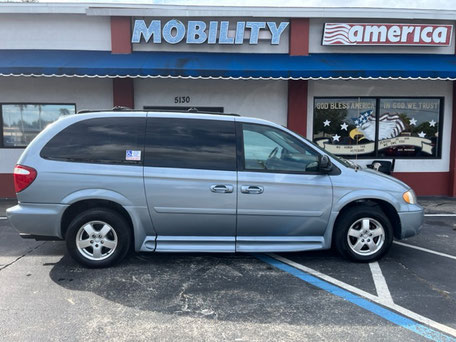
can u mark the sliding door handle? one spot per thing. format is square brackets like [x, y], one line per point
[252, 189]
[222, 188]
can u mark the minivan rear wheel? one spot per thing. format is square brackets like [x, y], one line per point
[98, 238]
[363, 234]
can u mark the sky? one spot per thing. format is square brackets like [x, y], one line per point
[411, 4]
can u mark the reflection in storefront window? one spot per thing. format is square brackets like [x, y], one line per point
[22, 122]
[402, 128]
[414, 127]
[345, 126]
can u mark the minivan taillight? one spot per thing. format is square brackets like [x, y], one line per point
[23, 177]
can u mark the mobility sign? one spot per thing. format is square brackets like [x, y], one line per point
[199, 32]
[387, 34]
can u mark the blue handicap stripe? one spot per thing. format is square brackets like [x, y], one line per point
[389, 315]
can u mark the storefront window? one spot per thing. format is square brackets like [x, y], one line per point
[409, 128]
[379, 127]
[345, 126]
[22, 122]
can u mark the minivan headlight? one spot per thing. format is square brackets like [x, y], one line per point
[409, 197]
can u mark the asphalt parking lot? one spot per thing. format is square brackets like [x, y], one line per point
[409, 295]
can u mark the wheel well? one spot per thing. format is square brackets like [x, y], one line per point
[78, 207]
[384, 206]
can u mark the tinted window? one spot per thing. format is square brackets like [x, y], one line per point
[270, 149]
[191, 144]
[103, 140]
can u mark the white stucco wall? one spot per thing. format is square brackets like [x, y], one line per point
[85, 93]
[392, 88]
[260, 99]
[54, 32]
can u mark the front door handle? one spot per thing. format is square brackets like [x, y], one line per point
[222, 188]
[252, 189]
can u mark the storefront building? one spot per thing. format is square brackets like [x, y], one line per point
[366, 84]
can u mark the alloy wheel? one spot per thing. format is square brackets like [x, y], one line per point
[96, 240]
[366, 236]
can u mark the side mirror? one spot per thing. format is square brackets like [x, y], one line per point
[324, 163]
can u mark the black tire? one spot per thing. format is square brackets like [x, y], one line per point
[355, 216]
[119, 233]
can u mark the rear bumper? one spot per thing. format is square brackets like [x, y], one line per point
[411, 222]
[37, 220]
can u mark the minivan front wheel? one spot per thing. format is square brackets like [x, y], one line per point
[363, 233]
[98, 237]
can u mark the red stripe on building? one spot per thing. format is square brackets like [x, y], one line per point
[299, 37]
[7, 186]
[120, 35]
[123, 92]
[297, 90]
[122, 88]
[426, 183]
[452, 182]
[297, 107]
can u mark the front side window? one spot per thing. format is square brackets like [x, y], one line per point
[23, 122]
[379, 127]
[191, 144]
[102, 141]
[270, 149]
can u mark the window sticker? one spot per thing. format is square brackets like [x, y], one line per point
[132, 155]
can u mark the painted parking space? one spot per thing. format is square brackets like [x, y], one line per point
[438, 234]
[413, 276]
[387, 310]
[176, 297]
[223, 296]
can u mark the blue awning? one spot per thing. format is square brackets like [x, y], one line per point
[57, 63]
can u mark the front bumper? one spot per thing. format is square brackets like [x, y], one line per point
[411, 222]
[37, 219]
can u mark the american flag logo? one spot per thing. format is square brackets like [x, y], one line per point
[363, 118]
[336, 34]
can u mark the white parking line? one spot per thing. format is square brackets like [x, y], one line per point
[425, 250]
[383, 291]
[440, 215]
[3, 217]
[410, 314]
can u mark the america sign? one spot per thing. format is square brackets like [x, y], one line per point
[387, 34]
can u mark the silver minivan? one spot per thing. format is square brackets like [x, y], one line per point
[109, 182]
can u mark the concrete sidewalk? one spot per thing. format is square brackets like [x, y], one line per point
[432, 205]
[438, 205]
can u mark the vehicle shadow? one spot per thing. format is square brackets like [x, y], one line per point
[234, 287]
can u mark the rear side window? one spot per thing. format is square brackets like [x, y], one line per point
[102, 140]
[190, 144]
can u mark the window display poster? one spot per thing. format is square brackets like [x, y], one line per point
[378, 127]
